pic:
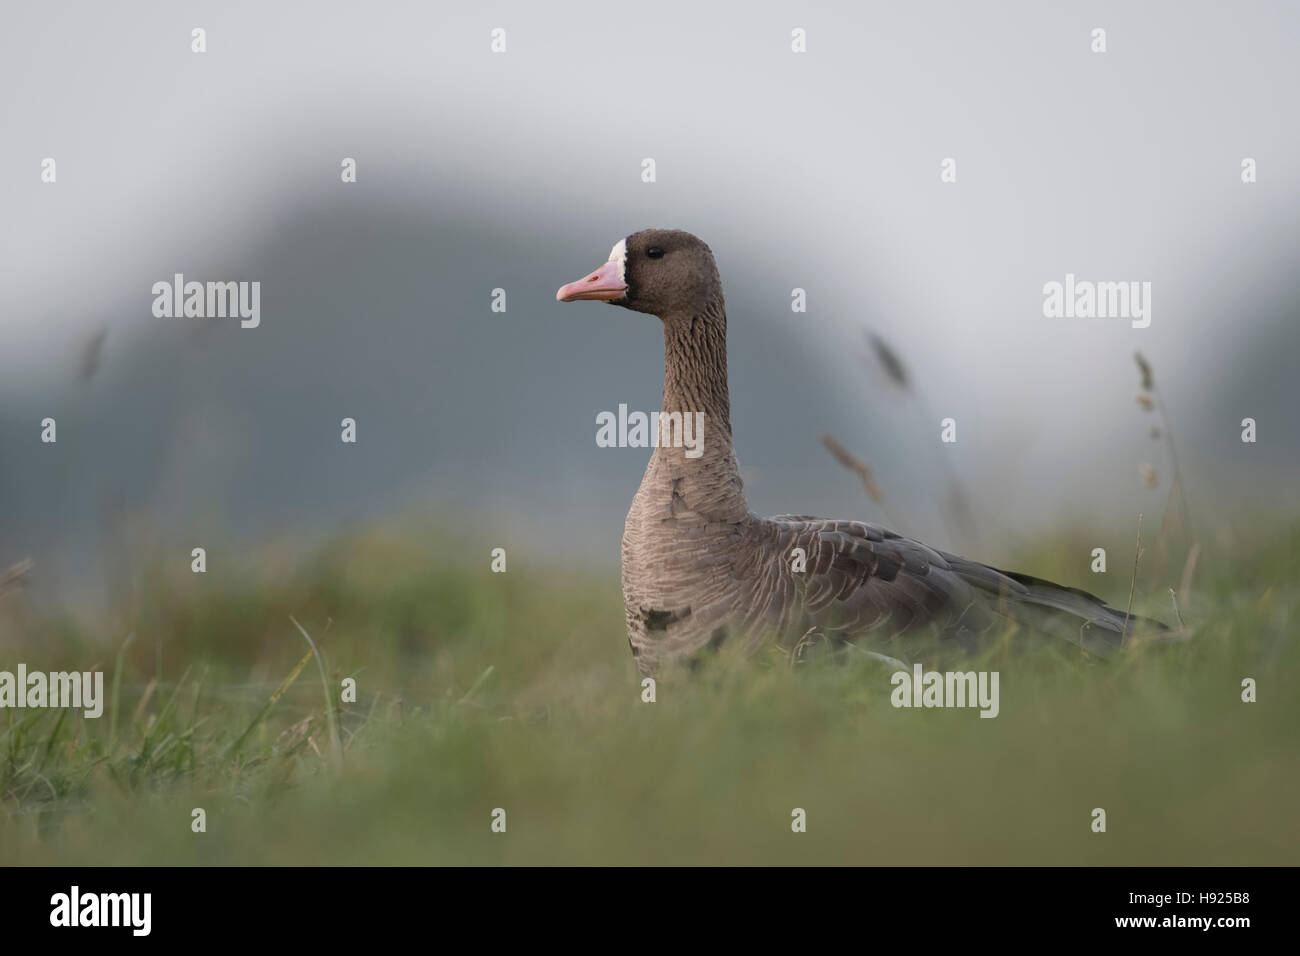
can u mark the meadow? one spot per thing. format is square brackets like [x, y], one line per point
[477, 691]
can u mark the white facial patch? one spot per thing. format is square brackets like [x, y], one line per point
[619, 254]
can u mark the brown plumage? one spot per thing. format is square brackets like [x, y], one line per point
[699, 569]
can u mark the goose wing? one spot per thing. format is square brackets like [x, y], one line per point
[859, 578]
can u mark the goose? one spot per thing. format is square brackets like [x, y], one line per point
[699, 569]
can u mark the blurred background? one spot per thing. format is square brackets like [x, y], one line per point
[519, 171]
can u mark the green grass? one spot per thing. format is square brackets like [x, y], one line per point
[516, 690]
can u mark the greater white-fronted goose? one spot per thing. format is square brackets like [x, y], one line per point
[700, 569]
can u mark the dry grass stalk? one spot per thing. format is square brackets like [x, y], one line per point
[1144, 368]
[92, 350]
[1132, 584]
[1149, 399]
[863, 471]
[855, 465]
[15, 578]
[957, 510]
[1177, 613]
[1189, 569]
[796, 652]
[336, 748]
[1176, 521]
[889, 360]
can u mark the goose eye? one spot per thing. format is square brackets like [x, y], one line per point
[654, 252]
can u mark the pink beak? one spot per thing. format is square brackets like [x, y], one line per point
[604, 284]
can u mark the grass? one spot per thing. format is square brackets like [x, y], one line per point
[478, 691]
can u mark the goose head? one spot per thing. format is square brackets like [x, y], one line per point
[663, 272]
